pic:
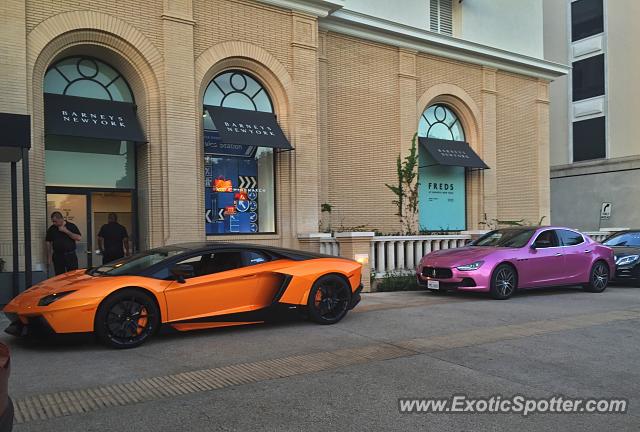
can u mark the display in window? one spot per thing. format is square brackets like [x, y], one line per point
[233, 192]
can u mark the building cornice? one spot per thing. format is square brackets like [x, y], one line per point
[391, 33]
[599, 166]
[318, 8]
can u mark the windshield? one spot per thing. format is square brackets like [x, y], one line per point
[513, 238]
[625, 239]
[135, 263]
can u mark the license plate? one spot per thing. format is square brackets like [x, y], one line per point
[433, 284]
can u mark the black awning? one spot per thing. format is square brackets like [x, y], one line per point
[249, 128]
[93, 118]
[452, 153]
[16, 135]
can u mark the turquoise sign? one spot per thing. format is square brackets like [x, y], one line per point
[441, 195]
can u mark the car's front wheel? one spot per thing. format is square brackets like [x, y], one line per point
[598, 278]
[126, 319]
[329, 299]
[504, 282]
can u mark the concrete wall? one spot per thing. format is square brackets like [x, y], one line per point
[507, 24]
[623, 63]
[556, 48]
[412, 13]
[576, 201]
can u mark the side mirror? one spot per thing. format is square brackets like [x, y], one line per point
[182, 271]
[467, 242]
[533, 246]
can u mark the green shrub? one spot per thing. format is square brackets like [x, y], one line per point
[397, 282]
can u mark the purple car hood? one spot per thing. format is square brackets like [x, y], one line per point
[459, 256]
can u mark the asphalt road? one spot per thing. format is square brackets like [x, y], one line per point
[300, 376]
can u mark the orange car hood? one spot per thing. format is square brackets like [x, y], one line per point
[68, 281]
[75, 281]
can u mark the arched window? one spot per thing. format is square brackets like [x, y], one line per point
[87, 77]
[438, 121]
[239, 180]
[442, 189]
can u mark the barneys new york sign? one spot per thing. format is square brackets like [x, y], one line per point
[93, 118]
[97, 119]
[249, 128]
[253, 129]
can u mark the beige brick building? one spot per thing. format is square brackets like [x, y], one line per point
[347, 86]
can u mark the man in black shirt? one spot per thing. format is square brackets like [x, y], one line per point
[61, 244]
[113, 240]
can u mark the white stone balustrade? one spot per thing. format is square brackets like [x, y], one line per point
[329, 246]
[401, 254]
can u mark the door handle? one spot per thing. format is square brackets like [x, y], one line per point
[249, 276]
[587, 251]
[558, 254]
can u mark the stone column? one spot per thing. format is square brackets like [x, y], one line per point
[185, 218]
[489, 146]
[357, 245]
[407, 92]
[305, 186]
[542, 147]
[13, 88]
[323, 141]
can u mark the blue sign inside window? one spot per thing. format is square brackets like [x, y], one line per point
[441, 196]
[229, 205]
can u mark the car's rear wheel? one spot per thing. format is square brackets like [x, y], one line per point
[504, 282]
[598, 278]
[329, 299]
[126, 319]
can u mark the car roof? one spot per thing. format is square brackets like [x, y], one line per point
[538, 227]
[204, 246]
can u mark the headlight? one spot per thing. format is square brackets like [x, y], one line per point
[473, 266]
[629, 259]
[47, 300]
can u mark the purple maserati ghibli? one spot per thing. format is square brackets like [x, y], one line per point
[504, 260]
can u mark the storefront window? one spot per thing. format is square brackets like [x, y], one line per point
[89, 162]
[79, 161]
[239, 179]
[441, 193]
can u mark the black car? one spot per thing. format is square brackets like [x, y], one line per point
[626, 248]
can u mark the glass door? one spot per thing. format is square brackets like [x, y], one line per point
[74, 209]
[89, 210]
[119, 204]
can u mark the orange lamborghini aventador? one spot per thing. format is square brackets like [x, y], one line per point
[188, 286]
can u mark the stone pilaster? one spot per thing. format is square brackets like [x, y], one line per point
[357, 245]
[542, 147]
[305, 194]
[407, 92]
[185, 222]
[13, 88]
[323, 141]
[489, 144]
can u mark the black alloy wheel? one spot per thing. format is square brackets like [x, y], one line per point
[126, 319]
[329, 299]
[599, 277]
[504, 282]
